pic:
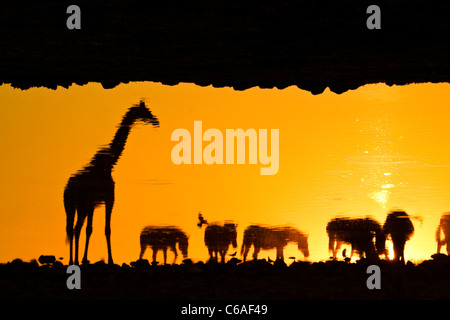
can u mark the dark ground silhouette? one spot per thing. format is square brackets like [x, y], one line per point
[216, 281]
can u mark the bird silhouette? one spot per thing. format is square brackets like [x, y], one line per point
[201, 220]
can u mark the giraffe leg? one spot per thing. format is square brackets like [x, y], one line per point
[90, 214]
[80, 221]
[70, 217]
[108, 210]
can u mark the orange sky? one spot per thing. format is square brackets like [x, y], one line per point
[360, 153]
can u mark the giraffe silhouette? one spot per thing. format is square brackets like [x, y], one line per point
[94, 185]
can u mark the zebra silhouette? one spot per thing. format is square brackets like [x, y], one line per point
[267, 238]
[399, 227]
[443, 228]
[360, 234]
[163, 238]
[218, 239]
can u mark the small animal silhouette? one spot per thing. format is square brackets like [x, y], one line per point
[163, 238]
[267, 238]
[94, 185]
[359, 233]
[400, 228]
[218, 239]
[443, 229]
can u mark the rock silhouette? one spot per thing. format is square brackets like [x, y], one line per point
[218, 239]
[267, 238]
[46, 259]
[399, 227]
[94, 185]
[443, 229]
[163, 238]
[256, 280]
[365, 236]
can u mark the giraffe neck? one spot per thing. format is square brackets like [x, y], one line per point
[106, 158]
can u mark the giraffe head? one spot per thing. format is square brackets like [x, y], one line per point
[141, 113]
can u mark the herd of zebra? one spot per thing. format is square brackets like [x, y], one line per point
[366, 237]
